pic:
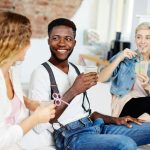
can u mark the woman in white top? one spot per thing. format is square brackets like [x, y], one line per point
[15, 33]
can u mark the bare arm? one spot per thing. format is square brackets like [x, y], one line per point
[31, 105]
[114, 120]
[106, 73]
[28, 123]
[42, 114]
[81, 84]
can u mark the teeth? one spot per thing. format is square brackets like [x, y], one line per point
[62, 51]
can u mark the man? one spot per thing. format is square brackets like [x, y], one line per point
[75, 128]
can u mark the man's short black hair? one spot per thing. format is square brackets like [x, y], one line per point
[62, 21]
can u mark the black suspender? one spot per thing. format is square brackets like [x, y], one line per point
[84, 94]
[54, 87]
[76, 68]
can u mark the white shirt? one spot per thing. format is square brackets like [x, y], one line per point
[40, 90]
[10, 134]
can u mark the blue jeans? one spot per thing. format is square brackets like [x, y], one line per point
[85, 134]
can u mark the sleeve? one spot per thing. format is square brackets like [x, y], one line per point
[39, 90]
[39, 87]
[9, 135]
[115, 72]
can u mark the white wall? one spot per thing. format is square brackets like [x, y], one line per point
[101, 15]
[127, 19]
[39, 50]
[37, 53]
[139, 8]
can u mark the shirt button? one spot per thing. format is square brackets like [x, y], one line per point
[127, 89]
[132, 78]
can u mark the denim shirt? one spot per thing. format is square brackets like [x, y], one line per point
[123, 77]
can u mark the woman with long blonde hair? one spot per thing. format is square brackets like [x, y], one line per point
[15, 34]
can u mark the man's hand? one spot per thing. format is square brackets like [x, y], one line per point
[85, 81]
[80, 85]
[116, 120]
[126, 121]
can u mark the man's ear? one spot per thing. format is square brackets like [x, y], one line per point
[74, 42]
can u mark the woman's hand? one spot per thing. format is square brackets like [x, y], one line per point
[42, 114]
[147, 88]
[45, 112]
[127, 53]
[143, 78]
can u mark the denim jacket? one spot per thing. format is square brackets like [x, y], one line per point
[123, 76]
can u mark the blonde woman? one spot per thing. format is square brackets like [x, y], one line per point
[130, 74]
[15, 33]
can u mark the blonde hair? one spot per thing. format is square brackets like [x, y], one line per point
[15, 33]
[143, 26]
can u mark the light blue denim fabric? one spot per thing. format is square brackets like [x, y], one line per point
[123, 76]
[87, 135]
